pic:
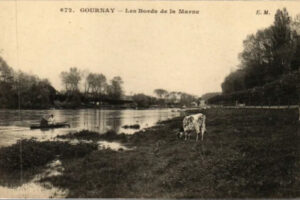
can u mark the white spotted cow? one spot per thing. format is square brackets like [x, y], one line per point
[193, 123]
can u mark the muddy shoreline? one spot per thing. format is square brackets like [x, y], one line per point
[246, 153]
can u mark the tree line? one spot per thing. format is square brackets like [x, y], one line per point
[164, 98]
[80, 89]
[95, 85]
[281, 92]
[270, 59]
[23, 90]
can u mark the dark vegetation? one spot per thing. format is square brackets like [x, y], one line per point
[31, 156]
[34, 153]
[95, 136]
[246, 153]
[285, 91]
[269, 66]
[133, 126]
[209, 95]
[28, 91]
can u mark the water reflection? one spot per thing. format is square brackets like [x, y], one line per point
[14, 125]
[31, 190]
[116, 146]
[35, 189]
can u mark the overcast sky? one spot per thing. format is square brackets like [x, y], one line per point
[190, 53]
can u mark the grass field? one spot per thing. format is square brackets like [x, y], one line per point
[246, 153]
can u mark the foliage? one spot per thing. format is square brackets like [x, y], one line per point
[96, 84]
[284, 91]
[161, 93]
[267, 55]
[71, 79]
[269, 61]
[24, 90]
[115, 90]
[144, 101]
[209, 95]
[96, 88]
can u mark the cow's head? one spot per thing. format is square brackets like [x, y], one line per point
[180, 134]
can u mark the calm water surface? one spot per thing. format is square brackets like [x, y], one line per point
[15, 124]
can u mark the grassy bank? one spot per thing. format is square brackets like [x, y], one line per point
[246, 153]
[27, 158]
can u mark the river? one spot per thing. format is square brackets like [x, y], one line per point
[14, 124]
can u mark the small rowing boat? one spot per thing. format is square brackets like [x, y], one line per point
[50, 126]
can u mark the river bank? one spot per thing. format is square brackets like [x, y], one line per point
[246, 153]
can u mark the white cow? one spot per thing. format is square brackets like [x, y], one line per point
[195, 123]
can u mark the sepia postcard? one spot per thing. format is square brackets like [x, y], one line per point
[149, 99]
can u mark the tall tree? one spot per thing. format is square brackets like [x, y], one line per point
[284, 43]
[267, 55]
[161, 93]
[96, 84]
[101, 84]
[71, 79]
[115, 90]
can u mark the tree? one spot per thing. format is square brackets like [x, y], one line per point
[96, 84]
[173, 97]
[71, 79]
[6, 72]
[115, 90]
[7, 92]
[101, 84]
[267, 55]
[26, 90]
[43, 94]
[295, 26]
[91, 83]
[161, 93]
[235, 81]
[143, 101]
[187, 99]
[284, 43]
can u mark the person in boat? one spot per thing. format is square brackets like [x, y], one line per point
[47, 120]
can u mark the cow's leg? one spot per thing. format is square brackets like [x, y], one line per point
[203, 127]
[197, 129]
[200, 130]
[185, 135]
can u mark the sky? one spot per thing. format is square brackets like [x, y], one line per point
[192, 53]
